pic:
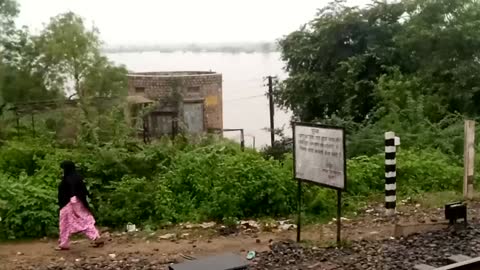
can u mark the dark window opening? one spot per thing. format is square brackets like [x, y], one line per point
[194, 89]
[139, 90]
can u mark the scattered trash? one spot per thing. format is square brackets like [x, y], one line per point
[19, 253]
[112, 255]
[286, 227]
[270, 226]
[281, 222]
[61, 259]
[167, 236]
[78, 260]
[185, 235]
[342, 219]
[250, 224]
[208, 225]
[131, 227]
[369, 210]
[417, 205]
[406, 200]
[251, 255]
[190, 226]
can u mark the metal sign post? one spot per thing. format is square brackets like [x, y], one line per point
[242, 136]
[319, 158]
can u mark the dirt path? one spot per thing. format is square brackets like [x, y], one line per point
[41, 252]
[159, 252]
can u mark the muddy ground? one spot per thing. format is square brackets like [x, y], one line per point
[370, 240]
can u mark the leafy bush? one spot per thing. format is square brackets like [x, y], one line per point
[29, 209]
[170, 182]
[428, 170]
[417, 171]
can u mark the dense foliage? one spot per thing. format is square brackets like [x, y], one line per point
[390, 66]
[407, 66]
[63, 60]
[170, 182]
[424, 50]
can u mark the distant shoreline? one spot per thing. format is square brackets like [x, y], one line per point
[266, 47]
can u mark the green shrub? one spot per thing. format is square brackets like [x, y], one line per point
[19, 157]
[164, 183]
[417, 171]
[428, 170]
[29, 207]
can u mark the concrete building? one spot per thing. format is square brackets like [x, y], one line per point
[189, 101]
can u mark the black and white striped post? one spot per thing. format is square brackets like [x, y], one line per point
[390, 174]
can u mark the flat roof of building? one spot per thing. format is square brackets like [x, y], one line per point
[172, 73]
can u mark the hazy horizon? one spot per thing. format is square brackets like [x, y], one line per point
[152, 22]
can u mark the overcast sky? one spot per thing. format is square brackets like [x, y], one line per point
[179, 21]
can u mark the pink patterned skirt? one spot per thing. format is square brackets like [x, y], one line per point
[75, 218]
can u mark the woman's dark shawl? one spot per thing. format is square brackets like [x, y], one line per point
[72, 185]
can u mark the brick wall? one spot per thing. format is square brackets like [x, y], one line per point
[205, 87]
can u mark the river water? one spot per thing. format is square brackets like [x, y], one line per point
[244, 102]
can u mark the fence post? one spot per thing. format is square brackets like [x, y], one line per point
[469, 159]
[390, 174]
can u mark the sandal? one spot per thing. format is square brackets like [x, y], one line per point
[61, 248]
[98, 243]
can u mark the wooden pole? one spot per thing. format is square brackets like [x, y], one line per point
[469, 159]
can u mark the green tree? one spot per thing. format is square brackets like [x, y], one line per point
[104, 79]
[72, 51]
[8, 12]
[335, 61]
[24, 77]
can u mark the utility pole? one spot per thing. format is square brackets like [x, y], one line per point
[272, 110]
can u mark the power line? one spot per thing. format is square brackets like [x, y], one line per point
[243, 98]
[272, 109]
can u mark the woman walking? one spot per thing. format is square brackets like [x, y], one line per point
[75, 214]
